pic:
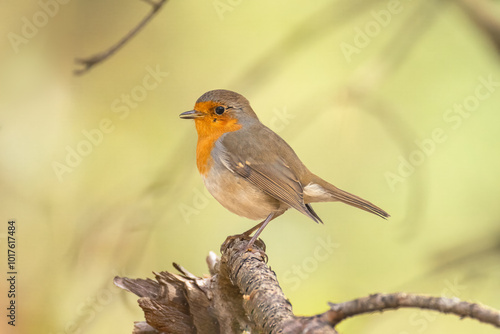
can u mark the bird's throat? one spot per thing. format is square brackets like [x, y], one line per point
[208, 133]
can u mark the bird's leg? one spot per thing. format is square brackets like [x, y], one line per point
[245, 235]
[250, 231]
[260, 227]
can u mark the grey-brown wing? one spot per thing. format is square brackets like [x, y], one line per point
[264, 169]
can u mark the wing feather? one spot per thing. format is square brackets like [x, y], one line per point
[273, 176]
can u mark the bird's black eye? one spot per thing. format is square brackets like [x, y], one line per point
[220, 110]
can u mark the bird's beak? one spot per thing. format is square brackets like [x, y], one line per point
[191, 114]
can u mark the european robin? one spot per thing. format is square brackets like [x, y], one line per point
[251, 170]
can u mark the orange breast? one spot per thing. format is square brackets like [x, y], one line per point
[208, 133]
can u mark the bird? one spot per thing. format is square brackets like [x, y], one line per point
[250, 170]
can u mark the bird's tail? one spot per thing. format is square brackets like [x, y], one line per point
[337, 194]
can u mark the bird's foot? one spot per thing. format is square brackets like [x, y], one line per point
[256, 247]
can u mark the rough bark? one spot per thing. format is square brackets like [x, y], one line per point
[242, 295]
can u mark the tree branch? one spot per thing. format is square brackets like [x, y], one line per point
[381, 302]
[243, 294]
[484, 15]
[91, 61]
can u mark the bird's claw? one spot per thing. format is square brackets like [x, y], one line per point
[245, 247]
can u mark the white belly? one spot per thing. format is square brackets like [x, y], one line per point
[241, 197]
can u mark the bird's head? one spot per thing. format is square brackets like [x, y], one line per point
[219, 111]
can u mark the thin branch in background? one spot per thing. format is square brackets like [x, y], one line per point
[362, 89]
[381, 302]
[480, 255]
[484, 15]
[91, 61]
[326, 19]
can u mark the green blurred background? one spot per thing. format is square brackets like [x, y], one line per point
[368, 94]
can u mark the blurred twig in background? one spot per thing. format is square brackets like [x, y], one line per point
[318, 25]
[485, 16]
[91, 61]
[481, 255]
[362, 89]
